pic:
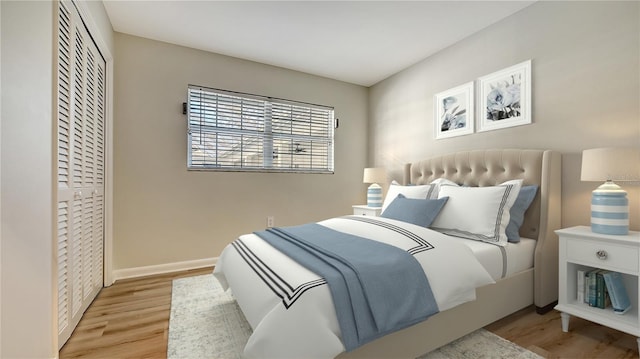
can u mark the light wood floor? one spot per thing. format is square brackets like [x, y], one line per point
[130, 319]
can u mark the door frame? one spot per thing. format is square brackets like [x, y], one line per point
[98, 37]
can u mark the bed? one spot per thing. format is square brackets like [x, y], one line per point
[315, 329]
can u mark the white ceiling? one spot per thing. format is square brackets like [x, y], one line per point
[361, 42]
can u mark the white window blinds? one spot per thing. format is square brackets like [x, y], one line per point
[241, 132]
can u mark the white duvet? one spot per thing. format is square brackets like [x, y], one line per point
[290, 308]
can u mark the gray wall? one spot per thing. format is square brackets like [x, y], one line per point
[164, 213]
[586, 92]
[27, 244]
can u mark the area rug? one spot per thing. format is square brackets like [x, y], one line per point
[206, 322]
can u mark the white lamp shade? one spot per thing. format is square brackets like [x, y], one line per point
[375, 175]
[610, 164]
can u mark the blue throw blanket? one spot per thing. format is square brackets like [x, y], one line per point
[376, 288]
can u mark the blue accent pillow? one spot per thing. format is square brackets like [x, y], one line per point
[520, 206]
[420, 212]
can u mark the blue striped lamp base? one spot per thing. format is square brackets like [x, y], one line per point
[374, 196]
[610, 212]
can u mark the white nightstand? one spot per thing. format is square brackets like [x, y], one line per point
[364, 210]
[581, 249]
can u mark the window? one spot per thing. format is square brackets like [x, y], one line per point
[240, 132]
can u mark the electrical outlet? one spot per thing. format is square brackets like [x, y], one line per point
[270, 221]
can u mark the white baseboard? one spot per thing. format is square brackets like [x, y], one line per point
[163, 268]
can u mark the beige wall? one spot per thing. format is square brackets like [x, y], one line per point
[164, 213]
[586, 92]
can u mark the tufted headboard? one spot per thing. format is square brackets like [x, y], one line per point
[492, 167]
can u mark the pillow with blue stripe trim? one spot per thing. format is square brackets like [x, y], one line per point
[478, 213]
[420, 212]
[413, 191]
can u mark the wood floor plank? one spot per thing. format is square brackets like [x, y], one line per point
[584, 339]
[130, 319]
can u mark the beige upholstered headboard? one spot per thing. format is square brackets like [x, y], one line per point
[492, 167]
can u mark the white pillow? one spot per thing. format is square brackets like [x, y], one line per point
[439, 182]
[417, 192]
[479, 213]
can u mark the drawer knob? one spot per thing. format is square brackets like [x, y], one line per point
[601, 254]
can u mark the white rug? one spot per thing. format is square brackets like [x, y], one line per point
[206, 322]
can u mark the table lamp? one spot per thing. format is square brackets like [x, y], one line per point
[374, 193]
[609, 203]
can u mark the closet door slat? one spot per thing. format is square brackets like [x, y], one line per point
[80, 137]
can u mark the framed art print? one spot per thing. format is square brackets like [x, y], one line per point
[505, 98]
[454, 112]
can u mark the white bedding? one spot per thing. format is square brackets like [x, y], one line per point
[502, 262]
[290, 308]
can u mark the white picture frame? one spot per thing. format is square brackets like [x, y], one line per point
[454, 113]
[505, 98]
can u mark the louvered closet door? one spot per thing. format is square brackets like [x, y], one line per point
[81, 94]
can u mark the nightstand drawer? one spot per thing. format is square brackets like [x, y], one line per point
[598, 254]
[364, 210]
